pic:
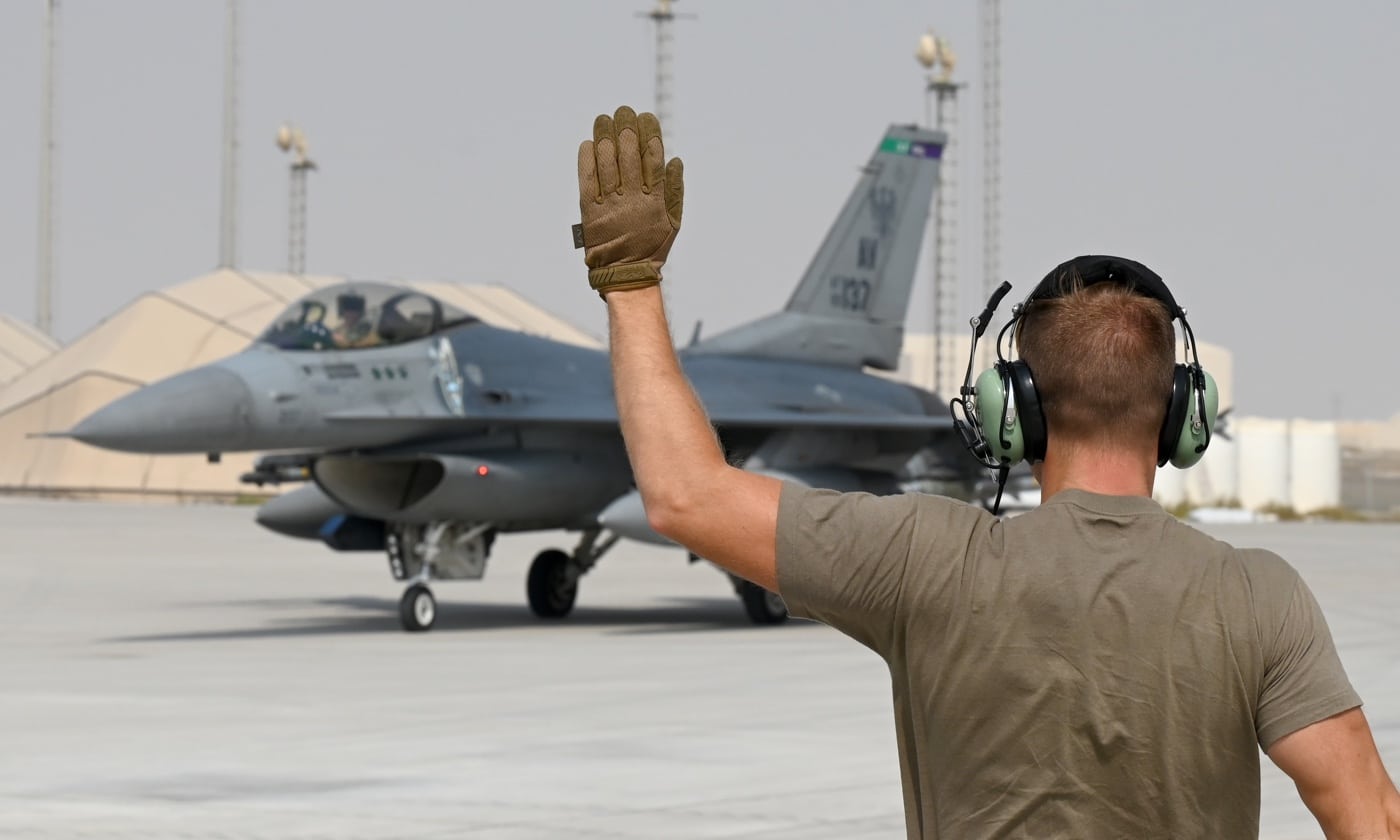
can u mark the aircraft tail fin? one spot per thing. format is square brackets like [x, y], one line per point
[850, 307]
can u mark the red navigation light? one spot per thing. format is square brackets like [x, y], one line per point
[483, 470]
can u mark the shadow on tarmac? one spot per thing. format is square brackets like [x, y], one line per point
[380, 616]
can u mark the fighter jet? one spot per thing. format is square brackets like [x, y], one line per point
[424, 432]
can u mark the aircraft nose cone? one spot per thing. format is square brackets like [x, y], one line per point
[201, 410]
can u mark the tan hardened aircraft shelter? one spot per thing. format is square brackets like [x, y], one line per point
[21, 347]
[160, 334]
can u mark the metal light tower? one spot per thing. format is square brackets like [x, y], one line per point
[941, 111]
[48, 161]
[990, 20]
[228, 209]
[663, 16]
[291, 139]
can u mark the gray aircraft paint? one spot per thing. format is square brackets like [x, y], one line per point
[627, 515]
[465, 426]
[850, 307]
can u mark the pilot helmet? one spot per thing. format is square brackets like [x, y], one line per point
[350, 302]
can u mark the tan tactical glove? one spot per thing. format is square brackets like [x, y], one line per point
[630, 199]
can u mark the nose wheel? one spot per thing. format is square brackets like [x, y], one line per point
[417, 608]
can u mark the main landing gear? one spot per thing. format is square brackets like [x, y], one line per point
[762, 606]
[552, 585]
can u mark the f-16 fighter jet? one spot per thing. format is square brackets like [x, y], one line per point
[424, 432]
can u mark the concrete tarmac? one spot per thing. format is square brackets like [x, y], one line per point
[177, 672]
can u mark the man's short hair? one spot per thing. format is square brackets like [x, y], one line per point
[1102, 357]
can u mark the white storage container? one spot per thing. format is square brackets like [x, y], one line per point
[1316, 465]
[1263, 450]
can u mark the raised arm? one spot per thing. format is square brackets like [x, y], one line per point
[1339, 775]
[631, 201]
[692, 495]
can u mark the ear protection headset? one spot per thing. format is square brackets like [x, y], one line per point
[1000, 416]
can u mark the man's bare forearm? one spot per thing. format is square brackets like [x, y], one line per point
[691, 494]
[1341, 778]
[669, 439]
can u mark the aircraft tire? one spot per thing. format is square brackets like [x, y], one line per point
[417, 609]
[548, 585]
[763, 607]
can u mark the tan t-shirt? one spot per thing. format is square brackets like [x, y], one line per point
[1092, 668]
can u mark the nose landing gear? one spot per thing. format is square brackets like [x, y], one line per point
[444, 550]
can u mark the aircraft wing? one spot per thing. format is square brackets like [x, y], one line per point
[600, 415]
[777, 418]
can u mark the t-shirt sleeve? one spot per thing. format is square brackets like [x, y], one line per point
[1304, 681]
[844, 558]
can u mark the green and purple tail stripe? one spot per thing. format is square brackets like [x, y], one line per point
[912, 148]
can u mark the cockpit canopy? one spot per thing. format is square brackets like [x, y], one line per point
[350, 316]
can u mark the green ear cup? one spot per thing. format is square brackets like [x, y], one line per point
[1196, 431]
[991, 404]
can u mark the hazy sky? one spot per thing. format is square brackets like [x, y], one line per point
[1243, 149]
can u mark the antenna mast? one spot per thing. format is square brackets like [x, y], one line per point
[228, 210]
[663, 16]
[665, 43]
[941, 98]
[292, 139]
[991, 152]
[48, 161]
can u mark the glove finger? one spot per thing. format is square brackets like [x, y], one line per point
[629, 156]
[587, 174]
[653, 154]
[605, 151]
[675, 190]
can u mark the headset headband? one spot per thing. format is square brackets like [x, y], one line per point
[1090, 270]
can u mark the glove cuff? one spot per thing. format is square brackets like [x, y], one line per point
[614, 278]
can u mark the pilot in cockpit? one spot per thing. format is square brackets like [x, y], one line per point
[354, 329]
